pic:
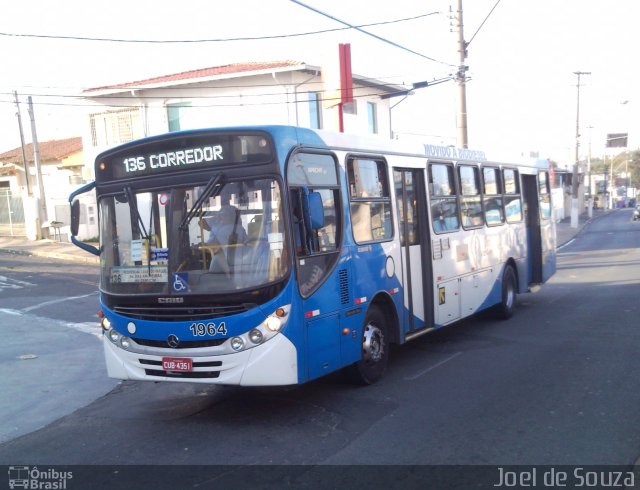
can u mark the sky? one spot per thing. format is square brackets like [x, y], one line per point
[521, 93]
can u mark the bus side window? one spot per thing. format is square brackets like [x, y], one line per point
[443, 199]
[314, 220]
[470, 200]
[512, 199]
[492, 190]
[370, 200]
[315, 216]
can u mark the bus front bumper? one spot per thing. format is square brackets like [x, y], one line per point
[273, 363]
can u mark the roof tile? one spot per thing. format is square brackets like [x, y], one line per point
[53, 150]
[201, 73]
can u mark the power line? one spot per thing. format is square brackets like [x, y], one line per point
[379, 38]
[240, 104]
[143, 86]
[215, 40]
[190, 97]
[485, 20]
[376, 79]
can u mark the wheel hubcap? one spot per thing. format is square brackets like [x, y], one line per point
[372, 344]
[510, 295]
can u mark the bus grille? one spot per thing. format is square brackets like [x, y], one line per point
[178, 313]
[184, 344]
[180, 374]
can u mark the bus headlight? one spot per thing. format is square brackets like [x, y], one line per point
[105, 324]
[269, 328]
[256, 336]
[273, 323]
[125, 342]
[237, 343]
[114, 336]
[278, 318]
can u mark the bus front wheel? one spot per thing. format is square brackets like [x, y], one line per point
[507, 305]
[375, 349]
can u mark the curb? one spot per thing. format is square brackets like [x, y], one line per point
[51, 255]
[582, 226]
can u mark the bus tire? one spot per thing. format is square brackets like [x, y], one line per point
[375, 349]
[507, 305]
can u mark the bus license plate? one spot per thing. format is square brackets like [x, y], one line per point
[177, 364]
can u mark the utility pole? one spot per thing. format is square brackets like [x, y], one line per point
[574, 180]
[460, 78]
[36, 160]
[25, 164]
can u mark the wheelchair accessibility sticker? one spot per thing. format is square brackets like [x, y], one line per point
[180, 282]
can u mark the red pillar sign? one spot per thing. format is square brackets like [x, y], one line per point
[338, 82]
[346, 79]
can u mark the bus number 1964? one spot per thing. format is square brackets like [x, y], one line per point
[200, 329]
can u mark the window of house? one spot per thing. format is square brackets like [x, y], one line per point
[315, 111]
[115, 127]
[372, 117]
[492, 189]
[176, 112]
[443, 199]
[370, 201]
[470, 196]
[512, 198]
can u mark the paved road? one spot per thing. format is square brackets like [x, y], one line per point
[556, 384]
[51, 357]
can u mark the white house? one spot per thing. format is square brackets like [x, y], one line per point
[256, 93]
[61, 169]
[279, 92]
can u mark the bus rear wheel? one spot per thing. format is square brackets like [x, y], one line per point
[375, 349]
[507, 305]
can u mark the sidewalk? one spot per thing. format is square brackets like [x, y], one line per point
[68, 251]
[51, 249]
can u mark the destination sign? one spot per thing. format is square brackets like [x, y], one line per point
[173, 159]
[453, 153]
[178, 153]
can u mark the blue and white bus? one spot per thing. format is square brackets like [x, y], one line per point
[275, 255]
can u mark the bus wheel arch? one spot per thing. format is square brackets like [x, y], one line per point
[379, 331]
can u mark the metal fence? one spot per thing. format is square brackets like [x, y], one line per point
[11, 214]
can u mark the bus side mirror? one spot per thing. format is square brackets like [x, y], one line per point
[75, 217]
[316, 210]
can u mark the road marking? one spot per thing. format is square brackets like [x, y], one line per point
[54, 301]
[568, 243]
[92, 327]
[7, 283]
[416, 376]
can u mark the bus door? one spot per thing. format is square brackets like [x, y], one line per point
[415, 250]
[534, 234]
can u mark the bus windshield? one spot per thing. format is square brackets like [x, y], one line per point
[212, 237]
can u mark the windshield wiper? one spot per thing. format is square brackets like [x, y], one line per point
[133, 204]
[212, 189]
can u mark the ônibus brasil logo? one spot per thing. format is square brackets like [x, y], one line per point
[32, 478]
